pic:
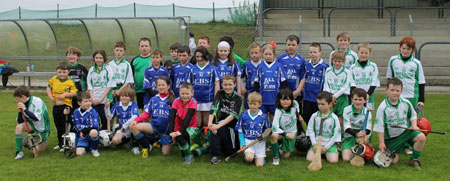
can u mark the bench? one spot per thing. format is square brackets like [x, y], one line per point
[32, 74]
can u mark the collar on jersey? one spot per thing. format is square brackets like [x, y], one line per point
[75, 65]
[358, 64]
[357, 113]
[96, 69]
[67, 78]
[271, 64]
[257, 114]
[232, 94]
[319, 62]
[121, 60]
[255, 64]
[328, 116]
[337, 73]
[411, 57]
[390, 104]
[121, 104]
[223, 61]
[202, 66]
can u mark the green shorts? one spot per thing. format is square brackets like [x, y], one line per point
[349, 143]
[332, 149]
[413, 100]
[44, 135]
[397, 144]
[288, 144]
[342, 102]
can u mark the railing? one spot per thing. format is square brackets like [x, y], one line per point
[304, 43]
[419, 52]
[394, 17]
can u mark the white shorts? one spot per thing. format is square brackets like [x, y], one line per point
[204, 106]
[259, 149]
[127, 133]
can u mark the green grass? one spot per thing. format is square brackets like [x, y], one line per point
[119, 163]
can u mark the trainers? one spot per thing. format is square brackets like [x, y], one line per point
[188, 159]
[276, 161]
[135, 151]
[215, 160]
[19, 155]
[57, 147]
[415, 164]
[61, 150]
[408, 150]
[144, 152]
[95, 153]
[150, 147]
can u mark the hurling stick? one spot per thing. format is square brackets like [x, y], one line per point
[358, 160]
[33, 147]
[423, 130]
[316, 163]
[260, 138]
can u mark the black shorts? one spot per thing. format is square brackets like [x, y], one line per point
[140, 99]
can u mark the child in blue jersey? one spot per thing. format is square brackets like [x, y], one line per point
[270, 78]
[225, 63]
[250, 125]
[126, 111]
[249, 70]
[312, 82]
[152, 73]
[180, 72]
[85, 119]
[158, 108]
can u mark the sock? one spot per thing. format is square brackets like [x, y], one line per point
[185, 149]
[19, 138]
[275, 150]
[416, 154]
[94, 143]
[142, 140]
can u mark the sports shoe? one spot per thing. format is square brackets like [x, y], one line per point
[144, 152]
[150, 147]
[408, 150]
[95, 153]
[135, 151]
[276, 161]
[215, 160]
[19, 155]
[188, 159]
[57, 147]
[61, 150]
[415, 164]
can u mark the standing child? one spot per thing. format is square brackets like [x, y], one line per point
[85, 119]
[331, 130]
[354, 116]
[157, 109]
[222, 120]
[183, 121]
[121, 70]
[100, 81]
[180, 72]
[252, 124]
[284, 125]
[343, 40]
[37, 119]
[337, 81]
[60, 91]
[77, 72]
[224, 61]
[236, 57]
[152, 74]
[270, 78]
[312, 82]
[409, 70]
[398, 111]
[249, 71]
[138, 65]
[173, 57]
[365, 74]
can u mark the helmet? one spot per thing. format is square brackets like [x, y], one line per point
[104, 138]
[383, 158]
[423, 123]
[363, 150]
[69, 140]
[302, 143]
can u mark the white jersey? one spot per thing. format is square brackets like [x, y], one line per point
[37, 107]
[331, 130]
[337, 82]
[350, 58]
[355, 120]
[410, 72]
[364, 77]
[98, 80]
[286, 121]
[390, 115]
[122, 71]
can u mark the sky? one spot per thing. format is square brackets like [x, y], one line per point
[7, 5]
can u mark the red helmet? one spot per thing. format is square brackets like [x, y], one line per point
[423, 123]
[364, 150]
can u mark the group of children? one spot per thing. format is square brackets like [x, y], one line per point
[195, 100]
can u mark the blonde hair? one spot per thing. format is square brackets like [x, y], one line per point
[343, 35]
[365, 45]
[338, 54]
[254, 45]
[128, 91]
[268, 47]
[254, 97]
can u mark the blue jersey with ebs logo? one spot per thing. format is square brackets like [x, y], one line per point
[294, 67]
[179, 75]
[159, 111]
[269, 77]
[124, 113]
[86, 119]
[252, 125]
[249, 72]
[152, 74]
[314, 77]
[202, 80]
[223, 68]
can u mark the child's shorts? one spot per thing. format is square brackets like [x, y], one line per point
[397, 144]
[204, 106]
[332, 149]
[126, 133]
[84, 142]
[288, 144]
[268, 108]
[342, 102]
[259, 149]
[350, 142]
[164, 139]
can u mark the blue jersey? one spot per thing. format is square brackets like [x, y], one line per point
[159, 111]
[314, 77]
[294, 67]
[269, 78]
[252, 125]
[249, 72]
[124, 113]
[152, 74]
[203, 80]
[87, 119]
[223, 69]
[179, 75]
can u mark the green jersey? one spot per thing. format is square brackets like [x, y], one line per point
[138, 65]
[394, 115]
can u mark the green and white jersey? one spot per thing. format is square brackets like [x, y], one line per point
[364, 77]
[99, 80]
[38, 108]
[337, 82]
[122, 71]
[331, 131]
[410, 72]
[350, 58]
[394, 115]
[355, 120]
[286, 121]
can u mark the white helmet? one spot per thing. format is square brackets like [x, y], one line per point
[69, 140]
[104, 138]
[383, 158]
